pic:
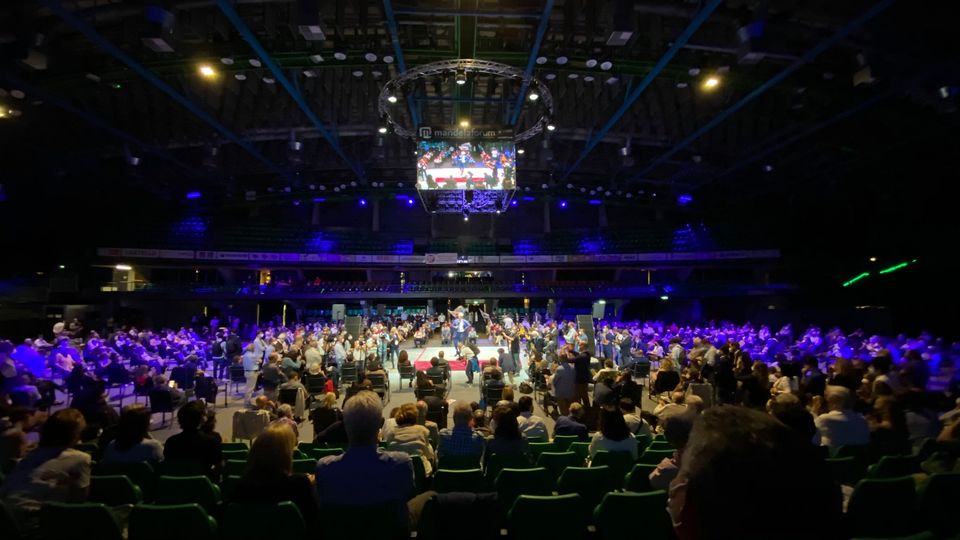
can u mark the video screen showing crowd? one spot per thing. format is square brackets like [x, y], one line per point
[465, 165]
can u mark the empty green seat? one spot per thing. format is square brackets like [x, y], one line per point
[280, 520]
[227, 485]
[563, 442]
[152, 522]
[497, 462]
[638, 479]
[172, 490]
[471, 480]
[459, 463]
[591, 483]
[511, 483]
[659, 445]
[643, 442]
[538, 448]
[234, 467]
[140, 473]
[64, 521]
[540, 439]
[937, 500]
[845, 470]
[877, 507]
[556, 517]
[581, 449]
[653, 457]
[227, 446]
[649, 508]
[240, 455]
[894, 466]
[556, 462]
[114, 491]
[620, 463]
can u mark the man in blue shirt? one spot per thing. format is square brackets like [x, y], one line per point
[461, 439]
[572, 424]
[460, 326]
[251, 370]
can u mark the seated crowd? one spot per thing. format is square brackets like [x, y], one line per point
[789, 442]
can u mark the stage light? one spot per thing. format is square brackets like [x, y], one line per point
[464, 123]
[194, 195]
[409, 202]
[684, 199]
[768, 168]
[664, 298]
[339, 55]
[561, 60]
[382, 130]
[520, 151]
[856, 279]
[363, 202]
[207, 71]
[370, 57]
[541, 60]
[592, 62]
[711, 82]
[392, 99]
[873, 259]
[124, 267]
[461, 76]
[62, 267]
[513, 202]
[358, 73]
[269, 80]
[239, 76]
[544, 186]
[226, 60]
[606, 66]
[309, 73]
[894, 268]
[466, 217]
[388, 59]
[316, 58]
[117, 86]
[533, 96]
[254, 62]
[551, 127]
[563, 204]
[601, 301]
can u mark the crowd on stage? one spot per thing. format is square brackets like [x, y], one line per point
[826, 388]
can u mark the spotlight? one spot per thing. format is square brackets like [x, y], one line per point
[534, 96]
[513, 203]
[339, 55]
[227, 61]
[388, 59]
[711, 82]
[207, 71]
[563, 204]
[551, 127]
[520, 151]
[561, 60]
[466, 216]
[316, 58]
[409, 202]
[591, 63]
[370, 57]
[62, 267]
[392, 99]
[606, 66]
[192, 195]
[255, 62]
[768, 168]
[664, 298]
[124, 267]
[461, 76]
[239, 76]
[873, 259]
[464, 123]
[541, 60]
[363, 202]
[382, 130]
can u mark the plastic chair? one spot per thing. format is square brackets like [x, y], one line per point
[511, 483]
[894, 466]
[581, 449]
[151, 522]
[9, 529]
[497, 462]
[653, 457]
[937, 499]
[161, 401]
[533, 516]
[280, 520]
[234, 467]
[237, 378]
[140, 473]
[459, 463]
[556, 462]
[877, 507]
[239, 445]
[288, 396]
[319, 453]
[638, 479]
[620, 463]
[562, 443]
[114, 491]
[660, 445]
[537, 448]
[180, 468]
[471, 480]
[172, 490]
[235, 454]
[539, 439]
[643, 442]
[591, 483]
[407, 371]
[304, 466]
[647, 508]
[63, 521]
[227, 485]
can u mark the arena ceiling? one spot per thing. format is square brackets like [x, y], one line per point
[90, 84]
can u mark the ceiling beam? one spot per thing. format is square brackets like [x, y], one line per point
[534, 52]
[682, 40]
[807, 57]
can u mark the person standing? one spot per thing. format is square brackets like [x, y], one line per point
[251, 370]
[563, 385]
[581, 368]
[460, 326]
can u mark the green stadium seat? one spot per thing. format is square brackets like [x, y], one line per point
[620, 464]
[649, 508]
[937, 499]
[638, 479]
[537, 448]
[894, 466]
[180, 467]
[845, 470]
[497, 462]
[556, 462]
[227, 446]
[533, 516]
[174, 490]
[643, 442]
[471, 480]
[459, 463]
[227, 485]
[563, 442]
[114, 491]
[63, 521]
[653, 457]
[319, 453]
[140, 473]
[281, 520]
[582, 449]
[511, 483]
[878, 506]
[234, 467]
[239, 455]
[591, 483]
[304, 466]
[153, 522]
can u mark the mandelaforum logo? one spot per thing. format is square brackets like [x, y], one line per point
[427, 132]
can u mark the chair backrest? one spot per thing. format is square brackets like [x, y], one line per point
[348, 374]
[653, 457]
[235, 454]
[494, 463]
[115, 490]
[237, 375]
[63, 521]
[556, 462]
[228, 485]
[304, 466]
[180, 468]
[153, 522]
[240, 445]
[378, 381]
[638, 479]
[589, 482]
[319, 453]
[511, 483]
[659, 445]
[647, 508]
[459, 463]
[280, 520]
[845, 470]
[537, 448]
[533, 516]
[937, 500]
[407, 371]
[878, 506]
[893, 466]
[492, 394]
[315, 384]
[234, 467]
[288, 396]
[188, 489]
[563, 442]
[160, 401]
[581, 449]
[620, 464]
[206, 388]
[437, 379]
[446, 481]
[421, 393]
[140, 473]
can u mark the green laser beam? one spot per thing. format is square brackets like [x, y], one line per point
[893, 268]
[856, 279]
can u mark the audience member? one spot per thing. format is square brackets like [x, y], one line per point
[571, 423]
[192, 443]
[461, 439]
[613, 435]
[132, 442]
[840, 426]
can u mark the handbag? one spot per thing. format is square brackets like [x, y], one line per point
[525, 388]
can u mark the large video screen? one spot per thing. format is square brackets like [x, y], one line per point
[466, 165]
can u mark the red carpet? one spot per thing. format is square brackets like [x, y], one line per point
[455, 365]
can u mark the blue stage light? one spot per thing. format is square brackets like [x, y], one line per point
[363, 202]
[194, 195]
[409, 202]
[684, 200]
[563, 204]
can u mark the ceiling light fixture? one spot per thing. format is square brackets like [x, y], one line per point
[464, 123]
[534, 96]
[561, 60]
[520, 151]
[370, 57]
[461, 76]
[227, 61]
[591, 63]
[255, 62]
[392, 99]
[240, 76]
[387, 59]
[207, 71]
[339, 55]
[606, 65]
[382, 130]
[711, 82]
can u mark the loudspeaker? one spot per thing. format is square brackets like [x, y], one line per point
[353, 326]
[337, 312]
[585, 322]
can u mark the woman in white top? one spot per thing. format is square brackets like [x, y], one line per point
[613, 435]
[133, 442]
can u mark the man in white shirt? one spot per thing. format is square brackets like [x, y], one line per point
[530, 424]
[635, 423]
[841, 426]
